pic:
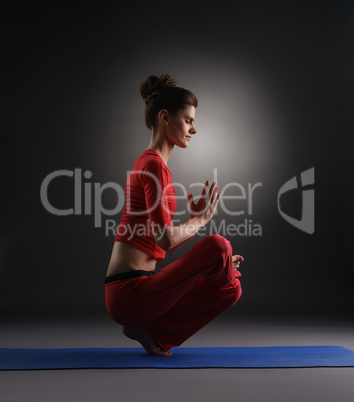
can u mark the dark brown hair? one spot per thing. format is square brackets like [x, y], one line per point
[162, 93]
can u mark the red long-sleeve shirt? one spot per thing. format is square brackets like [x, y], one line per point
[150, 204]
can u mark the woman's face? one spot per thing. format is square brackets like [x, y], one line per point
[181, 128]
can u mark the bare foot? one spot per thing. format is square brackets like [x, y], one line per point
[142, 335]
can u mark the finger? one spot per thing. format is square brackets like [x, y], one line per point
[218, 199]
[206, 185]
[211, 189]
[203, 197]
[216, 191]
[207, 201]
[205, 189]
[215, 195]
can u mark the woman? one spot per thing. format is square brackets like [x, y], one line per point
[161, 310]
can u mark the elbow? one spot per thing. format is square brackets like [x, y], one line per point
[171, 250]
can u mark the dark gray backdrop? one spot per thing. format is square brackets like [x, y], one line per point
[274, 84]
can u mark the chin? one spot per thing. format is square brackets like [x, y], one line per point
[182, 145]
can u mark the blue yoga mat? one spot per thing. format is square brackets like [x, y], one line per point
[234, 357]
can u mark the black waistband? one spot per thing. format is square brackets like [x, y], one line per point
[127, 275]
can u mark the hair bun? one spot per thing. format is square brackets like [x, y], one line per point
[153, 85]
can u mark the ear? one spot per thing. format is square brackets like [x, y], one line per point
[164, 117]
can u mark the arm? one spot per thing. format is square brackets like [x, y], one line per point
[172, 250]
[171, 238]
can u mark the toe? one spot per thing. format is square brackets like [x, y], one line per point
[154, 351]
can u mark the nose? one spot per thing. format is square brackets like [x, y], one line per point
[193, 130]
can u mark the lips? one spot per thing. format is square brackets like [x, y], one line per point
[189, 137]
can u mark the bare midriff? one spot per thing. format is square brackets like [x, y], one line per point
[126, 257]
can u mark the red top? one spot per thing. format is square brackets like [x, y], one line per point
[150, 204]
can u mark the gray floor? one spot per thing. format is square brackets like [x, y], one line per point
[286, 385]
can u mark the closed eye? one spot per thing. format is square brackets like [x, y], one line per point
[189, 119]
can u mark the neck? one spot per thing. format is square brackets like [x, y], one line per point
[160, 144]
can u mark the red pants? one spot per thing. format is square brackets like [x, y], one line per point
[181, 298]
